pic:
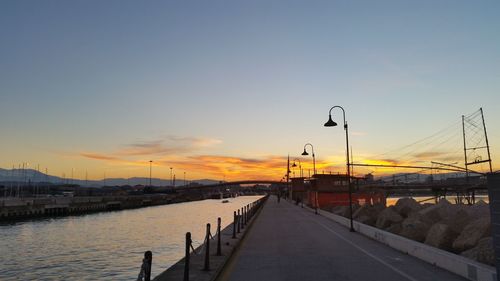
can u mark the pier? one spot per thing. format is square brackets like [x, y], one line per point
[288, 242]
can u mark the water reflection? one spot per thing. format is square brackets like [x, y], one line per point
[107, 246]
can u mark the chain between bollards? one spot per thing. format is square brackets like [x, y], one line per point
[241, 217]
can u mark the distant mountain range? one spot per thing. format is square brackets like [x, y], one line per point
[33, 176]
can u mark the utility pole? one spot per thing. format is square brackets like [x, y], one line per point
[465, 151]
[486, 137]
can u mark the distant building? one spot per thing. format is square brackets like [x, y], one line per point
[327, 191]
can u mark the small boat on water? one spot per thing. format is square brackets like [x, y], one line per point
[225, 201]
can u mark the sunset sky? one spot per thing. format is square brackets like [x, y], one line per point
[227, 89]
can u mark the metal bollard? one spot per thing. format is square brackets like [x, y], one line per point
[246, 214]
[242, 218]
[186, 258]
[239, 221]
[207, 249]
[148, 255]
[234, 225]
[145, 273]
[219, 250]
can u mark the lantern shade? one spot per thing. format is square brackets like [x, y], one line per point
[330, 122]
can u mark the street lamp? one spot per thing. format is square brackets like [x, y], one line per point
[300, 166]
[331, 123]
[171, 178]
[150, 171]
[314, 156]
[301, 174]
[314, 172]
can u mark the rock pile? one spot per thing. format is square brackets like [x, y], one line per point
[461, 229]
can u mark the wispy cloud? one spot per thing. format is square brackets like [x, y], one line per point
[157, 147]
[113, 159]
[169, 144]
[97, 156]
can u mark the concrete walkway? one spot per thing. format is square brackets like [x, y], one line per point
[288, 243]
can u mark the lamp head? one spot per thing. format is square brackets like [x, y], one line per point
[330, 122]
[294, 165]
[305, 152]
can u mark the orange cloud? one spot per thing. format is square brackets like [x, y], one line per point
[237, 168]
[98, 156]
[214, 166]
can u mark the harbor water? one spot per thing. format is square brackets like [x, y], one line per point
[108, 245]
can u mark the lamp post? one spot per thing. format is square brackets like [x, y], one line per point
[314, 156]
[300, 166]
[331, 123]
[171, 178]
[300, 170]
[150, 171]
[314, 172]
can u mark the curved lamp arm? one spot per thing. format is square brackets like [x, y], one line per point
[305, 151]
[330, 122]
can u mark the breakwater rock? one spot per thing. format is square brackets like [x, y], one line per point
[457, 228]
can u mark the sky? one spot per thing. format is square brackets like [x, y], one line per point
[227, 89]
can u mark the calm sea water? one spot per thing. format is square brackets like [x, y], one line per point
[107, 246]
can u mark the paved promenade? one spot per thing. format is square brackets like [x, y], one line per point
[289, 243]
